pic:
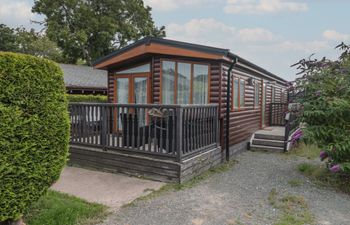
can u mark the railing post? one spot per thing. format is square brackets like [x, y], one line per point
[104, 127]
[216, 125]
[270, 114]
[179, 133]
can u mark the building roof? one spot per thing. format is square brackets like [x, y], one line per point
[208, 53]
[78, 76]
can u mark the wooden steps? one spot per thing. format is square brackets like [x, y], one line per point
[267, 142]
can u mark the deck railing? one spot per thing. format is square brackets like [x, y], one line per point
[277, 113]
[165, 131]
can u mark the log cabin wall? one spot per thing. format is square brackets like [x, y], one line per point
[243, 122]
[248, 119]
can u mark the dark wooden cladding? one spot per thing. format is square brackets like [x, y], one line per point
[156, 79]
[243, 122]
[248, 119]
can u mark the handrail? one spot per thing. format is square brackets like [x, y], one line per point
[184, 130]
[137, 105]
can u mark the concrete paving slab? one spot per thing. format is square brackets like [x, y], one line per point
[113, 190]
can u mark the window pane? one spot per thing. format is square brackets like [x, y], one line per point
[184, 81]
[122, 90]
[242, 92]
[200, 84]
[235, 93]
[140, 96]
[257, 93]
[168, 82]
[140, 90]
[273, 94]
[138, 69]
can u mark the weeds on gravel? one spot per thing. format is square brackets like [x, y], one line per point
[295, 183]
[322, 176]
[188, 184]
[309, 151]
[294, 209]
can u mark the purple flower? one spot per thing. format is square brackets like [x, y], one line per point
[335, 169]
[318, 93]
[323, 155]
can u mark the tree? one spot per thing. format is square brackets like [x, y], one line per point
[28, 42]
[326, 106]
[89, 29]
[37, 44]
[7, 38]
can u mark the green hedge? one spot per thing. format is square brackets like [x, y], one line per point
[86, 98]
[34, 130]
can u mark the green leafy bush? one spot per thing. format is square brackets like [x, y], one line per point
[325, 88]
[86, 98]
[34, 130]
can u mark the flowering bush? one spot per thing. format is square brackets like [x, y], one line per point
[324, 92]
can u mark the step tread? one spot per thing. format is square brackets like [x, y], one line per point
[270, 140]
[264, 147]
[269, 137]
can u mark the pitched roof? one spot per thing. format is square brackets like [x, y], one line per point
[84, 76]
[215, 53]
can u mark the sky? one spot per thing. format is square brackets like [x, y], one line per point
[273, 34]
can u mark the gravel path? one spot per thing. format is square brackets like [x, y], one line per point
[238, 196]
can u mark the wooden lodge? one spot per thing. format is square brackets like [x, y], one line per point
[167, 110]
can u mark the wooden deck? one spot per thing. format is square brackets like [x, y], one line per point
[163, 142]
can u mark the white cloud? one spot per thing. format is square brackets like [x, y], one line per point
[255, 34]
[209, 31]
[264, 6]
[333, 35]
[169, 5]
[258, 45]
[15, 13]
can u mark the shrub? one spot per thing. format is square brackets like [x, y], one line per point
[34, 130]
[325, 85]
[86, 98]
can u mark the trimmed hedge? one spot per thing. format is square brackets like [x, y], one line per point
[87, 98]
[34, 130]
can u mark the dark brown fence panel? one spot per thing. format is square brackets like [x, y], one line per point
[164, 131]
[277, 113]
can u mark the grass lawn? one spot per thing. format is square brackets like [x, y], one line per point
[321, 175]
[56, 208]
[307, 151]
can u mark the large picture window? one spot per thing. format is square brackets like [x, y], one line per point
[238, 93]
[200, 84]
[168, 82]
[184, 83]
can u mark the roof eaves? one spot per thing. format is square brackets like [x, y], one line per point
[179, 44]
[260, 69]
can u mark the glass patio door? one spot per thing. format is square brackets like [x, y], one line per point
[132, 89]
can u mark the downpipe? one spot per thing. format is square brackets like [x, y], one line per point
[228, 108]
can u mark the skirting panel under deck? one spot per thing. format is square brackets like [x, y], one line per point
[141, 166]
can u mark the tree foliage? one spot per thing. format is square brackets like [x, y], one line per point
[28, 42]
[89, 29]
[325, 85]
[7, 39]
[34, 130]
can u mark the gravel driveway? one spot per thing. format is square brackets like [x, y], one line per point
[238, 196]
